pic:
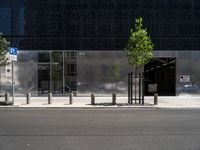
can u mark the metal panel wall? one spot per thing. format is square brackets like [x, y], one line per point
[102, 72]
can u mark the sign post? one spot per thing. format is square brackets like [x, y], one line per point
[13, 57]
[13, 83]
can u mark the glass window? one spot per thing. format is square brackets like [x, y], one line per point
[57, 72]
[18, 12]
[43, 72]
[5, 17]
[98, 25]
[70, 60]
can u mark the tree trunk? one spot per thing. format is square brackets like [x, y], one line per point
[140, 88]
[143, 88]
[135, 84]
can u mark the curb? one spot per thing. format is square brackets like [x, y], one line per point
[97, 108]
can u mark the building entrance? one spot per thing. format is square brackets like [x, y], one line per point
[56, 72]
[160, 74]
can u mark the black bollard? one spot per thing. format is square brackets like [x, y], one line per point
[92, 99]
[49, 98]
[155, 98]
[114, 98]
[7, 97]
[28, 98]
[70, 98]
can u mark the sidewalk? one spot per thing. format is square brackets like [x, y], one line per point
[106, 102]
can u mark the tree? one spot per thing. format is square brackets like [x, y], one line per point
[139, 47]
[4, 44]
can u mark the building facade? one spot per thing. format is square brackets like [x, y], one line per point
[78, 45]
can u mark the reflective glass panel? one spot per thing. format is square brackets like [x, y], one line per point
[102, 72]
[5, 17]
[57, 72]
[43, 72]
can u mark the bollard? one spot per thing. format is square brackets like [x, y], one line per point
[114, 98]
[92, 99]
[7, 97]
[155, 98]
[28, 98]
[49, 98]
[70, 98]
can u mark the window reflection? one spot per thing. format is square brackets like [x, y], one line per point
[57, 72]
[5, 17]
[43, 72]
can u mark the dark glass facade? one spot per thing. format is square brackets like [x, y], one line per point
[99, 24]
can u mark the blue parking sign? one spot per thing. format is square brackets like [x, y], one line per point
[12, 51]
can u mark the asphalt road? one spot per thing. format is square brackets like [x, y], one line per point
[116, 129]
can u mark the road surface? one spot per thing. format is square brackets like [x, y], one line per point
[103, 129]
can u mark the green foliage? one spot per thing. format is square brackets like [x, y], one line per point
[4, 44]
[139, 47]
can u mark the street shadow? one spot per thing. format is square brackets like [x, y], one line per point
[120, 104]
[137, 104]
[6, 103]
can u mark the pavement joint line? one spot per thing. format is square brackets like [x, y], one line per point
[93, 135]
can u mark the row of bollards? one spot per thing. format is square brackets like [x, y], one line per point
[28, 98]
[113, 99]
[50, 98]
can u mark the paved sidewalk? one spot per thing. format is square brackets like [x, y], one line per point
[106, 102]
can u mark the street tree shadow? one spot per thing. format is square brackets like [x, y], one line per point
[120, 104]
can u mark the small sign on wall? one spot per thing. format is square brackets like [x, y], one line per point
[184, 78]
